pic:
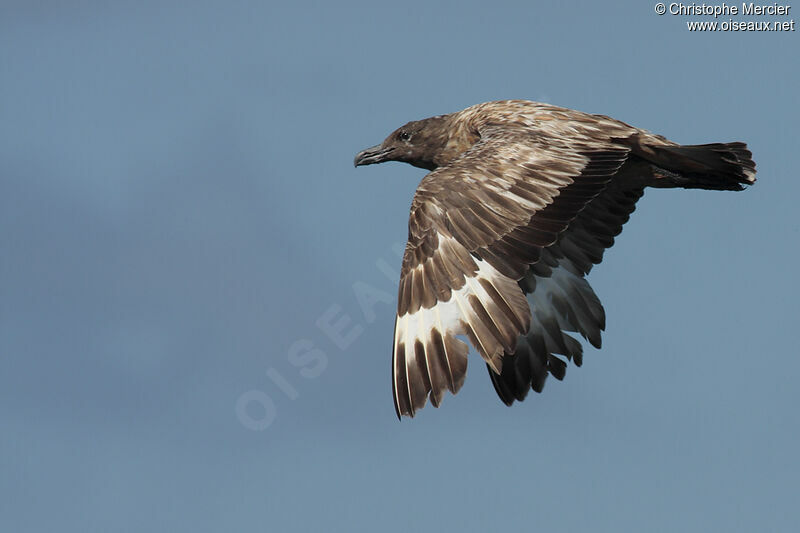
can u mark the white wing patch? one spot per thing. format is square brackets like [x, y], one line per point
[428, 357]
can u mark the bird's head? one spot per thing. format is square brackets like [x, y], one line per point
[425, 143]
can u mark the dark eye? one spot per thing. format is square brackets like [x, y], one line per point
[404, 136]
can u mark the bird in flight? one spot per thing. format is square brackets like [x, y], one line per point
[521, 200]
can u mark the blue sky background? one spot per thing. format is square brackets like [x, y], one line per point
[178, 210]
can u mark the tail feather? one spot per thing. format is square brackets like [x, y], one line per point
[716, 166]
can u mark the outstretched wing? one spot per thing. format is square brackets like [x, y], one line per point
[562, 301]
[561, 298]
[475, 228]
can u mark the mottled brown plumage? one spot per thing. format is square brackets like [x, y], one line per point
[522, 200]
